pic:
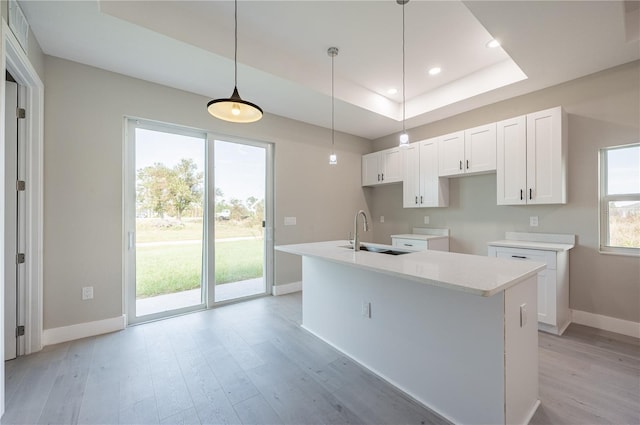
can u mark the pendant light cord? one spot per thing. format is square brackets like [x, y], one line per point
[404, 96]
[332, 105]
[235, 54]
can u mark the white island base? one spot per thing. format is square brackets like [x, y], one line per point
[464, 356]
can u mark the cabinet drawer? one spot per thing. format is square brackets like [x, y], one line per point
[547, 257]
[410, 243]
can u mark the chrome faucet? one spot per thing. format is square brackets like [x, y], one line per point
[356, 240]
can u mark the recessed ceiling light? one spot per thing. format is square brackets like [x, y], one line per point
[493, 44]
[435, 71]
[392, 91]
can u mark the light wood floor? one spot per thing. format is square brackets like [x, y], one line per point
[251, 363]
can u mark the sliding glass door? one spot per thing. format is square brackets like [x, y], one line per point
[197, 220]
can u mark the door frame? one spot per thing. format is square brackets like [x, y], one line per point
[14, 59]
[17, 63]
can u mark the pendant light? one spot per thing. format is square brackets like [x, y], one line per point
[333, 159]
[234, 108]
[404, 137]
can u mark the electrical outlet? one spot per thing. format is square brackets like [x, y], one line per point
[533, 221]
[87, 293]
[381, 219]
[290, 221]
[426, 219]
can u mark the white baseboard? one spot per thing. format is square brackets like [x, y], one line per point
[606, 323]
[287, 288]
[83, 330]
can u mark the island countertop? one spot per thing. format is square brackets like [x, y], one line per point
[483, 276]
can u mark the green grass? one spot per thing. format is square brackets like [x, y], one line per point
[165, 269]
[156, 230]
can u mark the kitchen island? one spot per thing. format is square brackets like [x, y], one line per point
[456, 332]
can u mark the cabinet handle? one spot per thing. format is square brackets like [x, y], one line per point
[461, 164]
[382, 176]
[521, 194]
[421, 199]
[416, 200]
[408, 244]
[530, 193]
[378, 176]
[519, 256]
[467, 164]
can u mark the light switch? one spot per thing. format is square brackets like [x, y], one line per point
[381, 219]
[289, 221]
[426, 219]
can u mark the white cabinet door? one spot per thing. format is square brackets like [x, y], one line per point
[370, 169]
[391, 160]
[451, 154]
[434, 190]
[382, 167]
[546, 157]
[411, 180]
[480, 149]
[511, 166]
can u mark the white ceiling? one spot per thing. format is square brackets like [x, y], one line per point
[283, 61]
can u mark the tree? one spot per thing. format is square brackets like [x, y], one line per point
[162, 190]
[153, 189]
[185, 186]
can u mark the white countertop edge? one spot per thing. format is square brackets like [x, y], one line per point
[295, 249]
[418, 237]
[544, 246]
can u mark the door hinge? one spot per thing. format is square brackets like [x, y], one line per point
[21, 113]
[20, 330]
[20, 258]
[21, 185]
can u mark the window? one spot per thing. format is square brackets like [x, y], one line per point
[620, 200]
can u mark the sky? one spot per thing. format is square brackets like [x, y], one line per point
[239, 169]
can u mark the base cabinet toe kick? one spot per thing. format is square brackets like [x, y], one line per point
[467, 349]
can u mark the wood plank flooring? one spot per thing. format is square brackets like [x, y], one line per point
[251, 363]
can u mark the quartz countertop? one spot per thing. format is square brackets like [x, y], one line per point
[543, 241]
[474, 274]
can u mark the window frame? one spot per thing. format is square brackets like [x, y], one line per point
[604, 199]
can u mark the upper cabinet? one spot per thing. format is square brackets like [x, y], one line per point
[531, 159]
[422, 185]
[382, 167]
[471, 151]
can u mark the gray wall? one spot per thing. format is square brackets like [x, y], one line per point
[83, 160]
[603, 110]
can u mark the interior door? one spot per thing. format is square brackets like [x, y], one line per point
[11, 222]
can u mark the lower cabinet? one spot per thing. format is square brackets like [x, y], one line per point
[553, 284]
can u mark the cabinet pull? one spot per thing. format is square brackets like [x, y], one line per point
[521, 198]
[378, 176]
[467, 164]
[421, 199]
[519, 256]
[408, 244]
[382, 176]
[461, 164]
[530, 193]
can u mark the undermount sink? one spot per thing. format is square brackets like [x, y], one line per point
[381, 250]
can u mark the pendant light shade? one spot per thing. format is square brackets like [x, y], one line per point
[404, 137]
[234, 108]
[333, 158]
